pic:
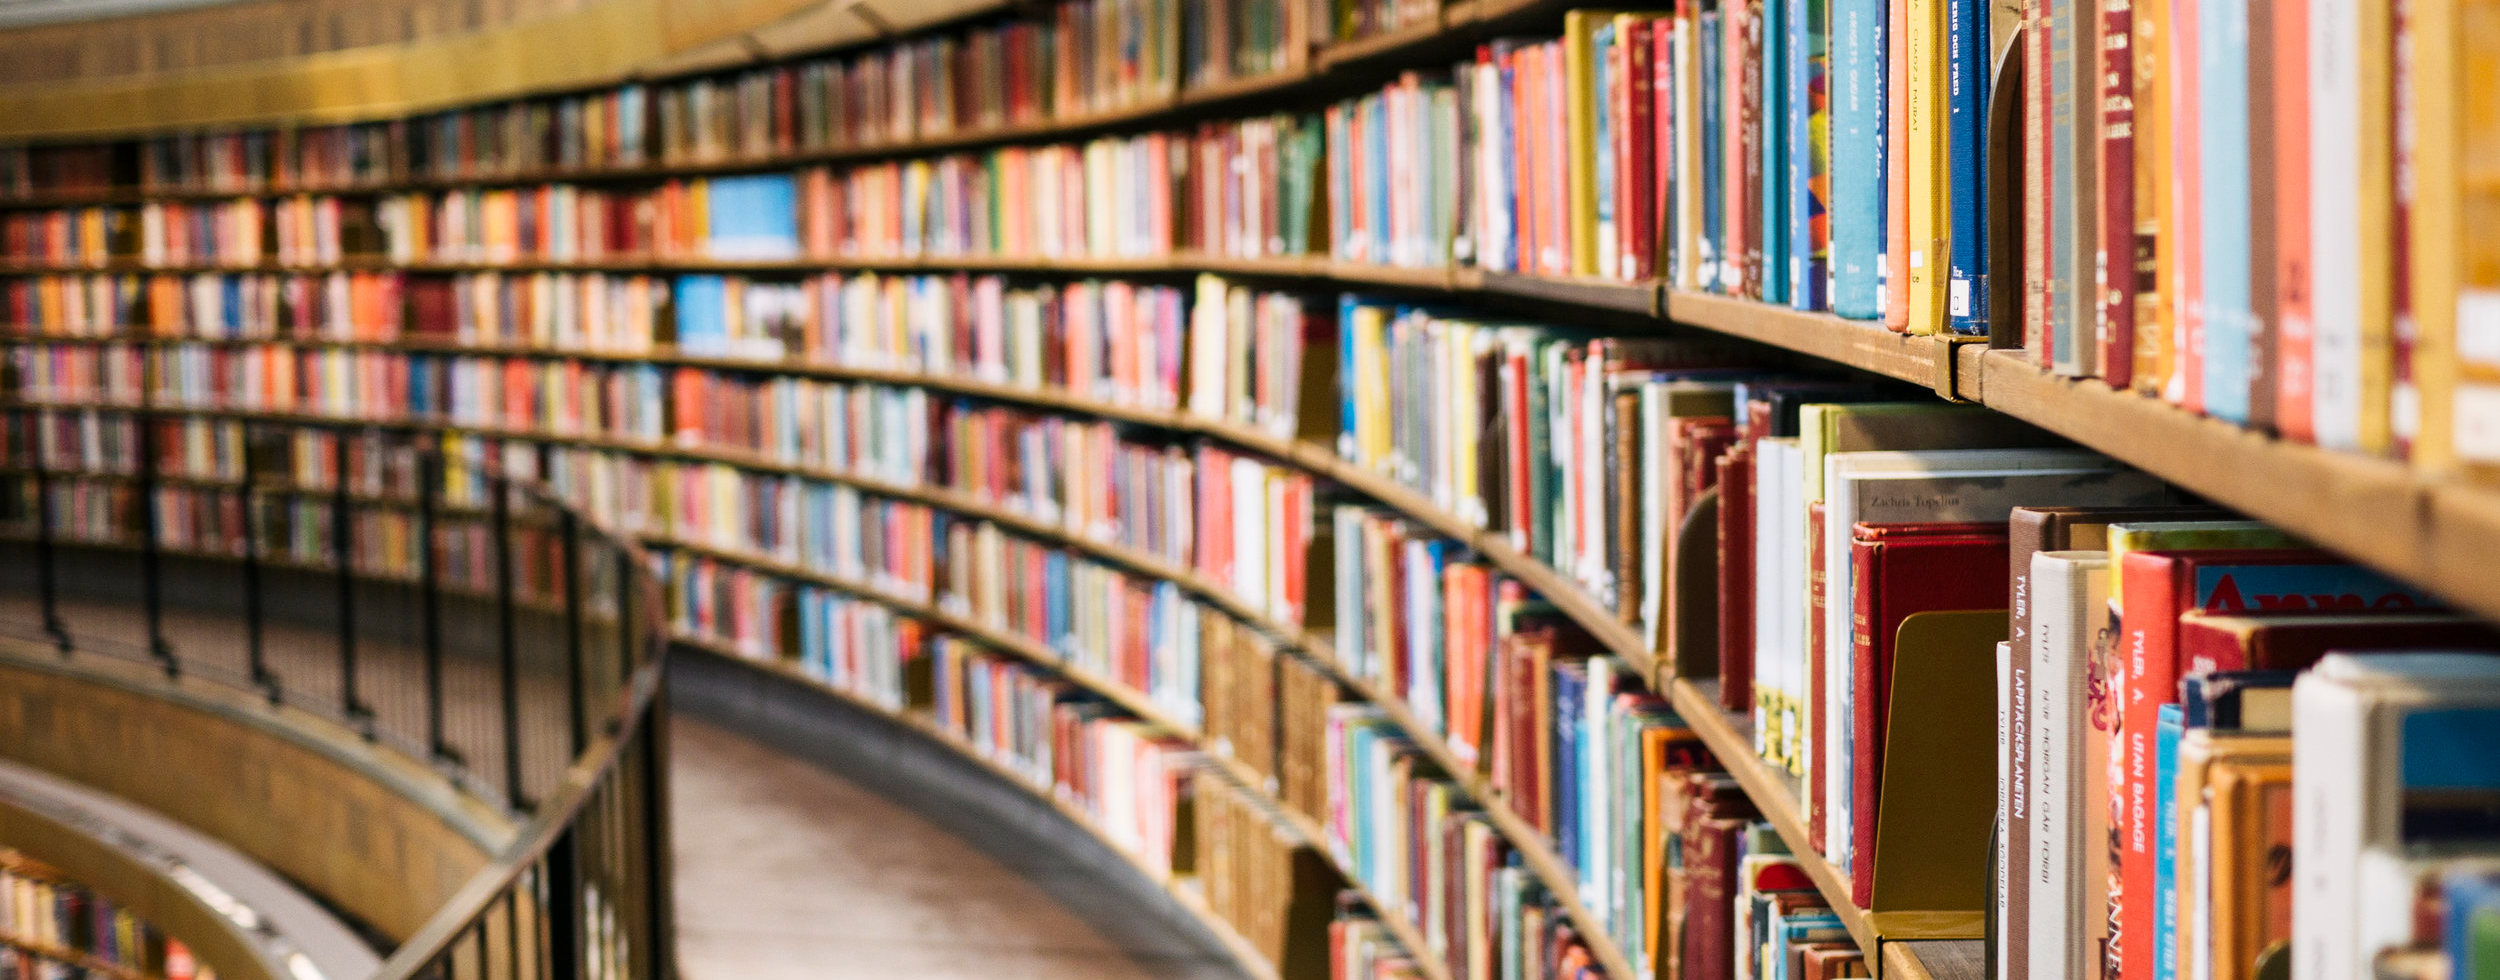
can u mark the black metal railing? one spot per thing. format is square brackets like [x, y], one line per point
[419, 599]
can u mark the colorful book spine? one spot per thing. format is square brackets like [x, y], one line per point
[2114, 264]
[1969, 55]
[1857, 220]
[2223, 226]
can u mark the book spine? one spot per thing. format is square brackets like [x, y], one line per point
[2115, 261]
[1969, 52]
[2186, 287]
[1927, 147]
[2064, 275]
[1782, 41]
[2264, 324]
[1865, 722]
[1896, 198]
[2344, 206]
[2295, 273]
[2039, 184]
[2222, 46]
[1736, 578]
[2148, 678]
[2008, 852]
[1857, 157]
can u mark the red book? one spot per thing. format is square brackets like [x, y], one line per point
[2115, 357]
[2216, 642]
[1736, 578]
[2157, 587]
[1661, 170]
[1714, 825]
[1636, 206]
[1901, 570]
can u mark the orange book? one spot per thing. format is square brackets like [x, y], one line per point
[2185, 285]
[2294, 346]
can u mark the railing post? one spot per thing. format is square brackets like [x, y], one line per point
[508, 643]
[624, 627]
[660, 902]
[430, 598]
[47, 584]
[561, 910]
[152, 550]
[343, 556]
[254, 643]
[570, 568]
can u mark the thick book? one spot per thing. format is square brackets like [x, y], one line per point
[2155, 221]
[1900, 570]
[2067, 822]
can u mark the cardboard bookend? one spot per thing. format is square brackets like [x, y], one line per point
[1939, 788]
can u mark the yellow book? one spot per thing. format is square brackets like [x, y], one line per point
[1930, 209]
[2456, 274]
[1688, 260]
[1580, 69]
[2154, 222]
[2377, 204]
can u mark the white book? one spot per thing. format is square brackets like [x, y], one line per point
[2335, 148]
[2361, 726]
[2006, 775]
[2070, 589]
[1778, 521]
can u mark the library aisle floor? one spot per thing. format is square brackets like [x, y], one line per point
[787, 870]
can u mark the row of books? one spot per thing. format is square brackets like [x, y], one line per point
[1075, 57]
[1110, 340]
[53, 926]
[2191, 685]
[358, 306]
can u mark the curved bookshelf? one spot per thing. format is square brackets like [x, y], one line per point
[1728, 735]
[2435, 531]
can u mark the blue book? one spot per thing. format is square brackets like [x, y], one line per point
[754, 217]
[1967, 65]
[1809, 153]
[1713, 154]
[2473, 933]
[702, 314]
[1778, 41]
[1568, 692]
[2168, 725]
[1857, 157]
[1055, 583]
[1425, 560]
[2223, 164]
[1376, 158]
